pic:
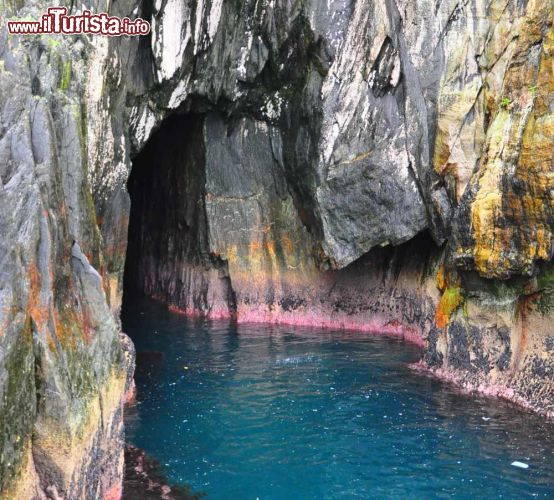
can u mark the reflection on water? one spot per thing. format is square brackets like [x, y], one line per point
[282, 412]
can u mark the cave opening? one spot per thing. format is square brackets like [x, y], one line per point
[209, 393]
[216, 230]
[168, 254]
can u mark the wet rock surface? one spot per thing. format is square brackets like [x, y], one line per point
[144, 481]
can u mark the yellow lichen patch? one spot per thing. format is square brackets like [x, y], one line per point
[114, 287]
[25, 482]
[255, 255]
[487, 205]
[231, 254]
[70, 445]
[511, 213]
[451, 299]
[67, 325]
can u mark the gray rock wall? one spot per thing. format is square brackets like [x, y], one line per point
[63, 367]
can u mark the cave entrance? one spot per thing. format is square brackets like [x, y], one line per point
[167, 254]
[215, 232]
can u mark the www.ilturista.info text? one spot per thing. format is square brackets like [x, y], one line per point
[57, 21]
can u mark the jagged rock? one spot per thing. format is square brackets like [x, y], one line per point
[338, 138]
[62, 369]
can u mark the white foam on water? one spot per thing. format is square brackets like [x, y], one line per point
[297, 360]
[521, 465]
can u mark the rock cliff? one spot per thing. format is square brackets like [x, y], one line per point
[64, 366]
[378, 165]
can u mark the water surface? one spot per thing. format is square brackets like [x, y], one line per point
[283, 413]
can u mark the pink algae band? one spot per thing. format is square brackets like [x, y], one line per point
[114, 492]
[374, 325]
[491, 390]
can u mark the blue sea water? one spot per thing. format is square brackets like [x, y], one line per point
[272, 412]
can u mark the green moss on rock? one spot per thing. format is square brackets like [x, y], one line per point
[65, 77]
[18, 404]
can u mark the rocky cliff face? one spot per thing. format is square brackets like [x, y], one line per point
[64, 368]
[379, 165]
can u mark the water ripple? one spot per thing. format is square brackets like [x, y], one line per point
[275, 413]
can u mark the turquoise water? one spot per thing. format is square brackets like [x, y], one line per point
[284, 413]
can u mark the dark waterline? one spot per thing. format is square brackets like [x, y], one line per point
[279, 413]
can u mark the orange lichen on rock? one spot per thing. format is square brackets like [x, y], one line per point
[65, 323]
[270, 248]
[441, 278]
[452, 297]
[37, 309]
[287, 245]
[511, 213]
